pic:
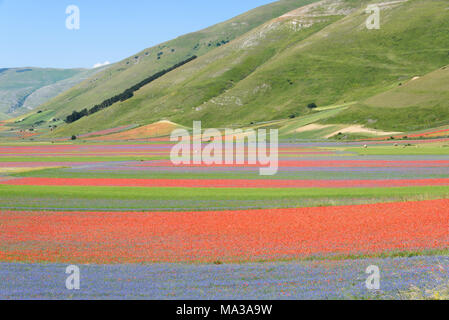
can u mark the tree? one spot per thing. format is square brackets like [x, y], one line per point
[125, 95]
[312, 105]
[73, 137]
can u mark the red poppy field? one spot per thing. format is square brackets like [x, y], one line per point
[242, 236]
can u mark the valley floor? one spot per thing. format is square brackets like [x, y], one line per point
[139, 227]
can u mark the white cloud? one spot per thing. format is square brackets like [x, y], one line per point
[98, 65]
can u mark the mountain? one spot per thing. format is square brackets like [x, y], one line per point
[319, 53]
[136, 68]
[23, 89]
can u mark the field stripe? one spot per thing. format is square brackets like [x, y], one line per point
[318, 164]
[223, 183]
[226, 236]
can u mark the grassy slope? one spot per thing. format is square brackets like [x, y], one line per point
[130, 71]
[238, 84]
[179, 93]
[346, 62]
[415, 105]
[18, 85]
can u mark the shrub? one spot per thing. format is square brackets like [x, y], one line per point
[312, 105]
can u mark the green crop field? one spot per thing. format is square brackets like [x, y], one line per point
[154, 199]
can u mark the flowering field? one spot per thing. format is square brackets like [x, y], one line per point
[273, 280]
[234, 183]
[253, 235]
[120, 204]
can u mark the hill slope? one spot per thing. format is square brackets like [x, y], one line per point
[134, 69]
[419, 103]
[184, 90]
[322, 53]
[23, 89]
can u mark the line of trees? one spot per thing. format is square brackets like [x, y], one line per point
[125, 95]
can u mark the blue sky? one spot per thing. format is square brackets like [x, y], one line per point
[33, 32]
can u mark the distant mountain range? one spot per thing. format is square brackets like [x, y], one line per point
[23, 89]
[271, 64]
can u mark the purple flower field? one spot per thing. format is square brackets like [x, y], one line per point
[290, 280]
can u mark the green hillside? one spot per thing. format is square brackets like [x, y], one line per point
[413, 105]
[134, 69]
[181, 93]
[277, 69]
[23, 89]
